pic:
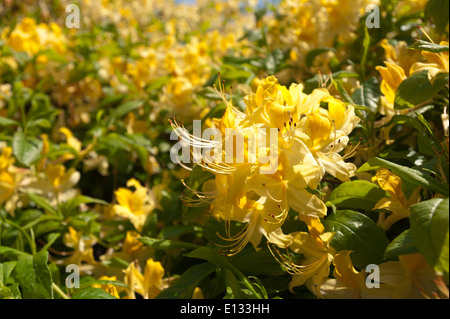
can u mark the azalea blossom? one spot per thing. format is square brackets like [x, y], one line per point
[134, 205]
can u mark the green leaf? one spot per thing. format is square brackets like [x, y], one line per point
[357, 195]
[410, 175]
[51, 238]
[158, 83]
[428, 46]
[33, 276]
[368, 94]
[274, 61]
[234, 289]
[430, 229]
[220, 261]
[418, 89]
[43, 203]
[403, 244]
[257, 263]
[342, 91]
[26, 149]
[115, 262]
[438, 10]
[126, 108]
[5, 271]
[4, 121]
[184, 286]
[166, 244]
[8, 250]
[69, 208]
[358, 233]
[93, 293]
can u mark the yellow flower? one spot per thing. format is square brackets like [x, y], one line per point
[71, 140]
[437, 63]
[288, 184]
[132, 250]
[60, 178]
[348, 283]
[259, 193]
[397, 203]
[325, 134]
[135, 205]
[149, 284]
[24, 37]
[7, 186]
[393, 75]
[109, 288]
[412, 278]
[7, 178]
[82, 254]
[401, 55]
[315, 247]
[262, 217]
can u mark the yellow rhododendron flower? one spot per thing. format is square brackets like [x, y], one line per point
[109, 288]
[7, 178]
[397, 203]
[348, 283]
[135, 205]
[309, 138]
[315, 247]
[412, 278]
[149, 284]
[82, 254]
[393, 75]
[436, 63]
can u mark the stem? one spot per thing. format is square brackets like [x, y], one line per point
[59, 291]
[31, 243]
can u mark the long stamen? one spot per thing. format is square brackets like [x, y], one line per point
[270, 196]
[425, 33]
[240, 240]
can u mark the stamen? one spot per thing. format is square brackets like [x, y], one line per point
[241, 239]
[425, 33]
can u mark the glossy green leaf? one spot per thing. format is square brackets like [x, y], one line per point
[358, 233]
[417, 89]
[410, 175]
[368, 94]
[428, 46]
[184, 286]
[430, 231]
[166, 244]
[403, 244]
[357, 194]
